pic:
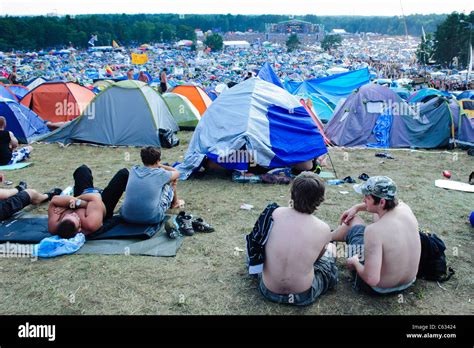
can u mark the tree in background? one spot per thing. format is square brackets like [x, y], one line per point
[331, 41]
[292, 43]
[452, 40]
[425, 51]
[215, 42]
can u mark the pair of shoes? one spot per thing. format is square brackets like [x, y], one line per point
[53, 192]
[21, 186]
[349, 180]
[199, 225]
[172, 228]
[364, 177]
[184, 222]
[188, 226]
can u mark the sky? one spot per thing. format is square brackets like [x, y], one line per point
[284, 7]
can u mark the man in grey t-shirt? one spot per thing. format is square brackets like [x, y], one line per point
[151, 189]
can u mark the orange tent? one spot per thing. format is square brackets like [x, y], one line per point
[58, 101]
[196, 96]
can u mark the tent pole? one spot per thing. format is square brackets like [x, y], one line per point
[332, 164]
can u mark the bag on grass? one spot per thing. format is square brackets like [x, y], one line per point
[433, 260]
[168, 139]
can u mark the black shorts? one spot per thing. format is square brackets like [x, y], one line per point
[11, 205]
[163, 87]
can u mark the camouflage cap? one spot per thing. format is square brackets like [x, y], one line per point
[379, 186]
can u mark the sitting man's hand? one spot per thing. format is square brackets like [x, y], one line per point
[58, 210]
[352, 261]
[347, 216]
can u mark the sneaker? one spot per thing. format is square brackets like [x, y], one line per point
[172, 228]
[185, 223]
[21, 186]
[53, 192]
[199, 225]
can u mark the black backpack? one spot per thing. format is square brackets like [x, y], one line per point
[433, 260]
[167, 138]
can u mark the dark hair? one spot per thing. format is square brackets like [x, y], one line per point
[150, 155]
[3, 122]
[66, 229]
[389, 203]
[164, 69]
[307, 192]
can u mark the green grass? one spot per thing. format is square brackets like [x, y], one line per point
[207, 276]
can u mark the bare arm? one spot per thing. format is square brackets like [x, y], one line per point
[95, 216]
[370, 271]
[53, 217]
[349, 214]
[13, 141]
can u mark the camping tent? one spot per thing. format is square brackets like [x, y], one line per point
[32, 84]
[184, 112]
[465, 126]
[21, 121]
[258, 120]
[376, 116]
[5, 92]
[196, 95]
[58, 101]
[126, 113]
[100, 85]
[19, 90]
[425, 94]
[333, 88]
[469, 94]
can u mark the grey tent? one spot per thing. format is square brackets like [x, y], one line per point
[375, 116]
[126, 113]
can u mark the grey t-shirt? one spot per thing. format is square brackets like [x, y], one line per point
[143, 195]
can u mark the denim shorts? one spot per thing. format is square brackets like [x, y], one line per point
[166, 197]
[325, 278]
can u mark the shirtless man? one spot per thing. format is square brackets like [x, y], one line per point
[297, 269]
[89, 208]
[391, 244]
[163, 84]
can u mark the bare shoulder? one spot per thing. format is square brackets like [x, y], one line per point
[280, 211]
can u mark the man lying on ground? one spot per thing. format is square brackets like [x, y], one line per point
[15, 199]
[9, 151]
[87, 211]
[151, 190]
[299, 263]
[390, 246]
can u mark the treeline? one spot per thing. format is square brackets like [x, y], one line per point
[40, 32]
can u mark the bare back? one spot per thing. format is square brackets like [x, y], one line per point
[295, 243]
[397, 231]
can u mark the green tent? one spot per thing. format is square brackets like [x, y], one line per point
[183, 111]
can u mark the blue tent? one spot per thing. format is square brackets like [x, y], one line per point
[5, 93]
[266, 73]
[21, 121]
[260, 119]
[333, 87]
[466, 95]
[424, 94]
[19, 91]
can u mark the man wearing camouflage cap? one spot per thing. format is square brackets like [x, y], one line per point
[385, 253]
